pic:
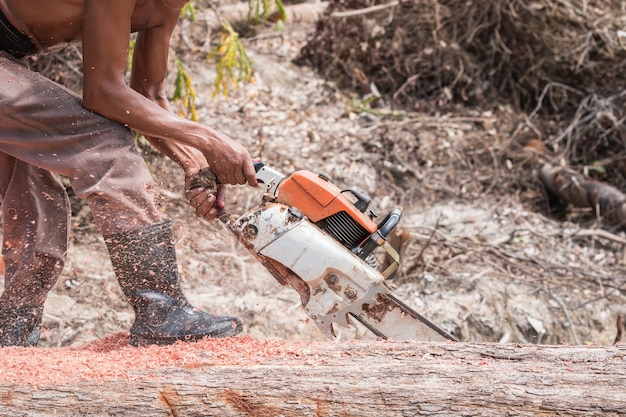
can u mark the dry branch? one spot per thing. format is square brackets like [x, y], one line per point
[245, 377]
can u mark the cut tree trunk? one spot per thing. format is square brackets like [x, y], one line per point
[606, 201]
[240, 12]
[247, 377]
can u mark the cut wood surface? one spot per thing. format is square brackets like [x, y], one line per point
[247, 377]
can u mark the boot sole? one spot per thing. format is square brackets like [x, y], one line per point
[138, 340]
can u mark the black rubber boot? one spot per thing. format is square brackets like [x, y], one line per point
[20, 326]
[165, 320]
[145, 265]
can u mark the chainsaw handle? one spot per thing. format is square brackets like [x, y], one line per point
[389, 223]
[206, 178]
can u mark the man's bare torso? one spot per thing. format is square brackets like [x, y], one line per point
[58, 22]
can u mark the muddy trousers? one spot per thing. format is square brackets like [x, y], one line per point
[46, 133]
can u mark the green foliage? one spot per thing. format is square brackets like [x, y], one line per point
[281, 10]
[189, 11]
[260, 10]
[597, 166]
[365, 105]
[184, 93]
[232, 63]
[131, 50]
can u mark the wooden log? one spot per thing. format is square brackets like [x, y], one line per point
[246, 377]
[606, 201]
[239, 12]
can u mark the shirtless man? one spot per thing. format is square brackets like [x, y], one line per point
[47, 131]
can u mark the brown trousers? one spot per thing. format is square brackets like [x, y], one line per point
[46, 132]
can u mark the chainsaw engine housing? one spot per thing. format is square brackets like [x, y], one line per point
[340, 213]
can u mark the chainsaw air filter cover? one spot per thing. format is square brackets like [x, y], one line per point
[342, 214]
[328, 207]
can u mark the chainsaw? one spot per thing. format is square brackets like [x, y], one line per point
[323, 241]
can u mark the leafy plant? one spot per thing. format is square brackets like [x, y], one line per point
[131, 51]
[260, 10]
[184, 93]
[233, 65]
[189, 11]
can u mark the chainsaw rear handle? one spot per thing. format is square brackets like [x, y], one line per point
[389, 223]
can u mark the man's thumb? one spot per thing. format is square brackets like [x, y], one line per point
[219, 202]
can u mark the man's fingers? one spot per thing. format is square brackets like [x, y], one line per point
[194, 196]
[241, 179]
[202, 200]
[207, 210]
[233, 179]
[233, 176]
[250, 174]
[209, 214]
[220, 197]
[202, 197]
[219, 202]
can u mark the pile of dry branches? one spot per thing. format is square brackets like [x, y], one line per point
[416, 50]
[561, 62]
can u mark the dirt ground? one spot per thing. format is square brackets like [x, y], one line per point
[484, 260]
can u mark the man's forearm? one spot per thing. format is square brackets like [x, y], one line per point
[189, 159]
[130, 108]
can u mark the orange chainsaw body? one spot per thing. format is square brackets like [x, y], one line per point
[317, 199]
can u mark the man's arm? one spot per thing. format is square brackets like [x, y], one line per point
[149, 69]
[105, 51]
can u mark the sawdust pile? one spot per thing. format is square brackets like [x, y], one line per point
[113, 358]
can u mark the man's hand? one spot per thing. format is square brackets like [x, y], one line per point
[205, 197]
[230, 160]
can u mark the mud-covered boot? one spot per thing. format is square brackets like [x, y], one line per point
[145, 264]
[164, 320]
[20, 326]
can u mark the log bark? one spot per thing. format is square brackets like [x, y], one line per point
[375, 378]
[606, 201]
